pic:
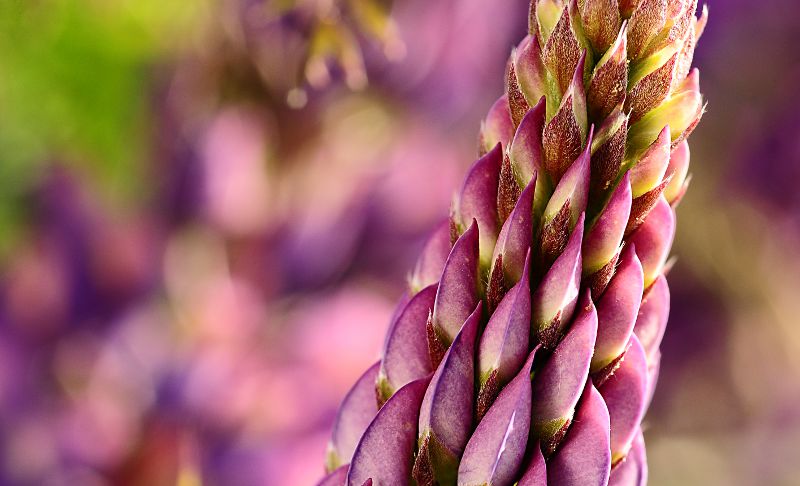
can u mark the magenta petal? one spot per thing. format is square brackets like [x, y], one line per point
[336, 478]
[649, 171]
[355, 413]
[526, 149]
[653, 240]
[478, 200]
[602, 242]
[457, 294]
[584, 458]
[679, 168]
[617, 310]
[536, 471]
[557, 387]
[447, 409]
[405, 351]
[400, 306]
[530, 70]
[496, 449]
[633, 470]
[653, 370]
[625, 394]
[386, 450]
[504, 343]
[516, 235]
[653, 315]
[497, 127]
[555, 298]
[431, 262]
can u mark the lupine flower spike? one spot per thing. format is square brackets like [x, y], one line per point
[527, 347]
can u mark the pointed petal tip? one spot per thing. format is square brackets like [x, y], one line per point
[386, 448]
[555, 298]
[355, 413]
[584, 456]
[335, 478]
[405, 356]
[603, 240]
[496, 449]
[625, 395]
[447, 407]
[618, 309]
[457, 293]
[561, 381]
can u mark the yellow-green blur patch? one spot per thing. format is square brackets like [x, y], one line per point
[76, 77]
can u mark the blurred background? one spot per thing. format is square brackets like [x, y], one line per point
[209, 208]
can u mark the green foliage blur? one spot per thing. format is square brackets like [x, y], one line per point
[74, 88]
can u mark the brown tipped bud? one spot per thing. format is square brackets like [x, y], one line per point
[562, 51]
[516, 100]
[681, 111]
[508, 190]
[646, 22]
[610, 79]
[601, 22]
[651, 89]
[564, 135]
[608, 150]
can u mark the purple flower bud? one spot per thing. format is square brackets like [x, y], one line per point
[646, 22]
[561, 52]
[497, 128]
[457, 294]
[445, 419]
[608, 150]
[515, 237]
[536, 471]
[653, 240]
[601, 22]
[632, 471]
[625, 394]
[555, 298]
[559, 384]
[526, 149]
[572, 188]
[617, 310]
[504, 344]
[681, 111]
[478, 200]
[517, 105]
[653, 315]
[652, 81]
[602, 241]
[385, 451]
[496, 449]
[356, 412]
[431, 262]
[405, 355]
[679, 168]
[530, 70]
[649, 171]
[584, 458]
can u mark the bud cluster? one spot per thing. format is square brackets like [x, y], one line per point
[526, 350]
